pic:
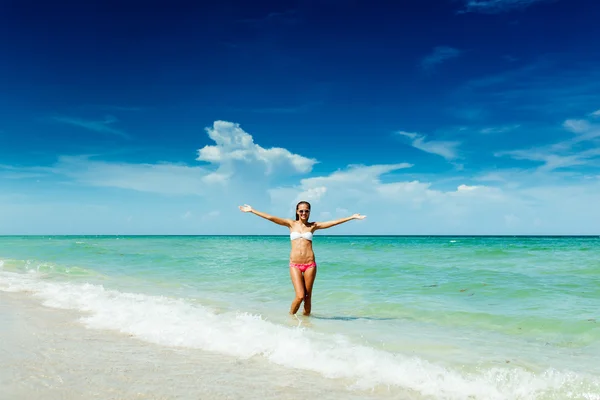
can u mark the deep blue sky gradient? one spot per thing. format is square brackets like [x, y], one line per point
[137, 82]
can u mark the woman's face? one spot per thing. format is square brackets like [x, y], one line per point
[303, 211]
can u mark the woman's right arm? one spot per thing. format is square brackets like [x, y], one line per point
[277, 220]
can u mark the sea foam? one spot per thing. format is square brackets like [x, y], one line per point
[182, 323]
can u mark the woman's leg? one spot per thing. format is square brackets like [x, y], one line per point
[298, 282]
[309, 279]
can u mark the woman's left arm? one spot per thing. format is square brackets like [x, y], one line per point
[329, 224]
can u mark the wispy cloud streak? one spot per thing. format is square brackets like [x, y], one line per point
[579, 150]
[103, 126]
[497, 6]
[547, 86]
[285, 17]
[439, 55]
[499, 129]
[446, 149]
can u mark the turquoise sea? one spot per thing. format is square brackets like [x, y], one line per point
[428, 317]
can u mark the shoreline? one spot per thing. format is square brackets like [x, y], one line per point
[48, 354]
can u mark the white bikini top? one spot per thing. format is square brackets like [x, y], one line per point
[298, 235]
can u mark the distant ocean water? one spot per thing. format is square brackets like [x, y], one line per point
[436, 317]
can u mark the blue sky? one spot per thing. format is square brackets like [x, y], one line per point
[430, 117]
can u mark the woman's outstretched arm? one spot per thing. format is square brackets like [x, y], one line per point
[277, 220]
[329, 224]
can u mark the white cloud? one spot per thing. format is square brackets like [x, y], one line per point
[233, 144]
[353, 174]
[584, 131]
[489, 193]
[493, 202]
[499, 129]
[565, 153]
[466, 188]
[595, 113]
[355, 182]
[576, 125]
[403, 206]
[491, 177]
[497, 6]
[311, 194]
[393, 203]
[414, 189]
[439, 55]
[171, 179]
[446, 149]
[400, 206]
[217, 177]
[550, 161]
[364, 184]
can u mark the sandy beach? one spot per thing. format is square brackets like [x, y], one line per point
[47, 354]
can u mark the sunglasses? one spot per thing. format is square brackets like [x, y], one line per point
[303, 211]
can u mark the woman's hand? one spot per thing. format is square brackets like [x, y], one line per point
[358, 216]
[245, 208]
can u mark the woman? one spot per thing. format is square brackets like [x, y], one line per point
[303, 268]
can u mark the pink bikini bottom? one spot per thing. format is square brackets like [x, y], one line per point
[303, 267]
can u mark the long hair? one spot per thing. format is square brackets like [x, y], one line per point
[298, 205]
